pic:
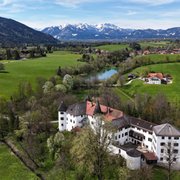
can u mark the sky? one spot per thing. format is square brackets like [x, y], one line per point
[136, 14]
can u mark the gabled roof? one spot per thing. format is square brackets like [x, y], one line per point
[77, 109]
[62, 106]
[132, 121]
[166, 130]
[108, 113]
[155, 75]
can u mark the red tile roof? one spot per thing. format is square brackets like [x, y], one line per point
[109, 113]
[158, 75]
[150, 156]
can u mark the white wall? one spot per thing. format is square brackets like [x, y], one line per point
[62, 120]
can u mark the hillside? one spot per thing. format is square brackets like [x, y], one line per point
[13, 32]
[108, 32]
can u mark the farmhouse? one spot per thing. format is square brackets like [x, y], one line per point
[138, 141]
[156, 78]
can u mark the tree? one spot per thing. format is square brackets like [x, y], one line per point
[54, 144]
[8, 54]
[68, 81]
[90, 147]
[59, 72]
[135, 46]
[2, 66]
[48, 87]
[170, 156]
[61, 88]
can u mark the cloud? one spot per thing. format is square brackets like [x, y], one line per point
[75, 3]
[153, 2]
[6, 3]
[131, 13]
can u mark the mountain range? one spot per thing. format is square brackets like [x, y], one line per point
[13, 32]
[107, 32]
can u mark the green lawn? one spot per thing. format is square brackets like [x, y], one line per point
[144, 44]
[113, 47]
[163, 57]
[29, 70]
[154, 43]
[172, 91]
[11, 167]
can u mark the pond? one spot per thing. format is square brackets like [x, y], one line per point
[103, 75]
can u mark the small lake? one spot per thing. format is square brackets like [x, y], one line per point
[103, 75]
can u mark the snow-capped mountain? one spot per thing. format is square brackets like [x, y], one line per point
[107, 32]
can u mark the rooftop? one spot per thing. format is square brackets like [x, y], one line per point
[155, 75]
[166, 130]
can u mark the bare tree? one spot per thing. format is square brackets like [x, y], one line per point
[91, 147]
[170, 157]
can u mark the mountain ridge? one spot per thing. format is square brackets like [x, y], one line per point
[13, 32]
[107, 31]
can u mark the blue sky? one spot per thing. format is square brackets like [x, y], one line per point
[124, 13]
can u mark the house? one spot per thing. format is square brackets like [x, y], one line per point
[138, 141]
[155, 78]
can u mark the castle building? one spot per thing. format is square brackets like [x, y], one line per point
[138, 141]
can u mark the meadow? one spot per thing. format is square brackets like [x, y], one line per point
[157, 58]
[113, 47]
[172, 91]
[144, 44]
[12, 168]
[28, 70]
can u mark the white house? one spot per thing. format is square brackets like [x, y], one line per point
[138, 141]
[154, 78]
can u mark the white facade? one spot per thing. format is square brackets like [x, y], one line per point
[147, 139]
[153, 80]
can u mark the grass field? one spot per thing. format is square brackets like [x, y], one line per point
[163, 57]
[154, 43]
[113, 47]
[11, 168]
[29, 70]
[172, 91]
[144, 44]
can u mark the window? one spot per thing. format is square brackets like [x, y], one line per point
[92, 122]
[149, 139]
[176, 144]
[176, 138]
[175, 151]
[174, 159]
[138, 129]
[126, 134]
[81, 115]
[169, 137]
[62, 118]
[146, 146]
[162, 150]
[162, 144]
[62, 124]
[162, 137]
[62, 112]
[119, 136]
[144, 131]
[74, 122]
[150, 133]
[115, 137]
[71, 120]
[161, 159]
[122, 135]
